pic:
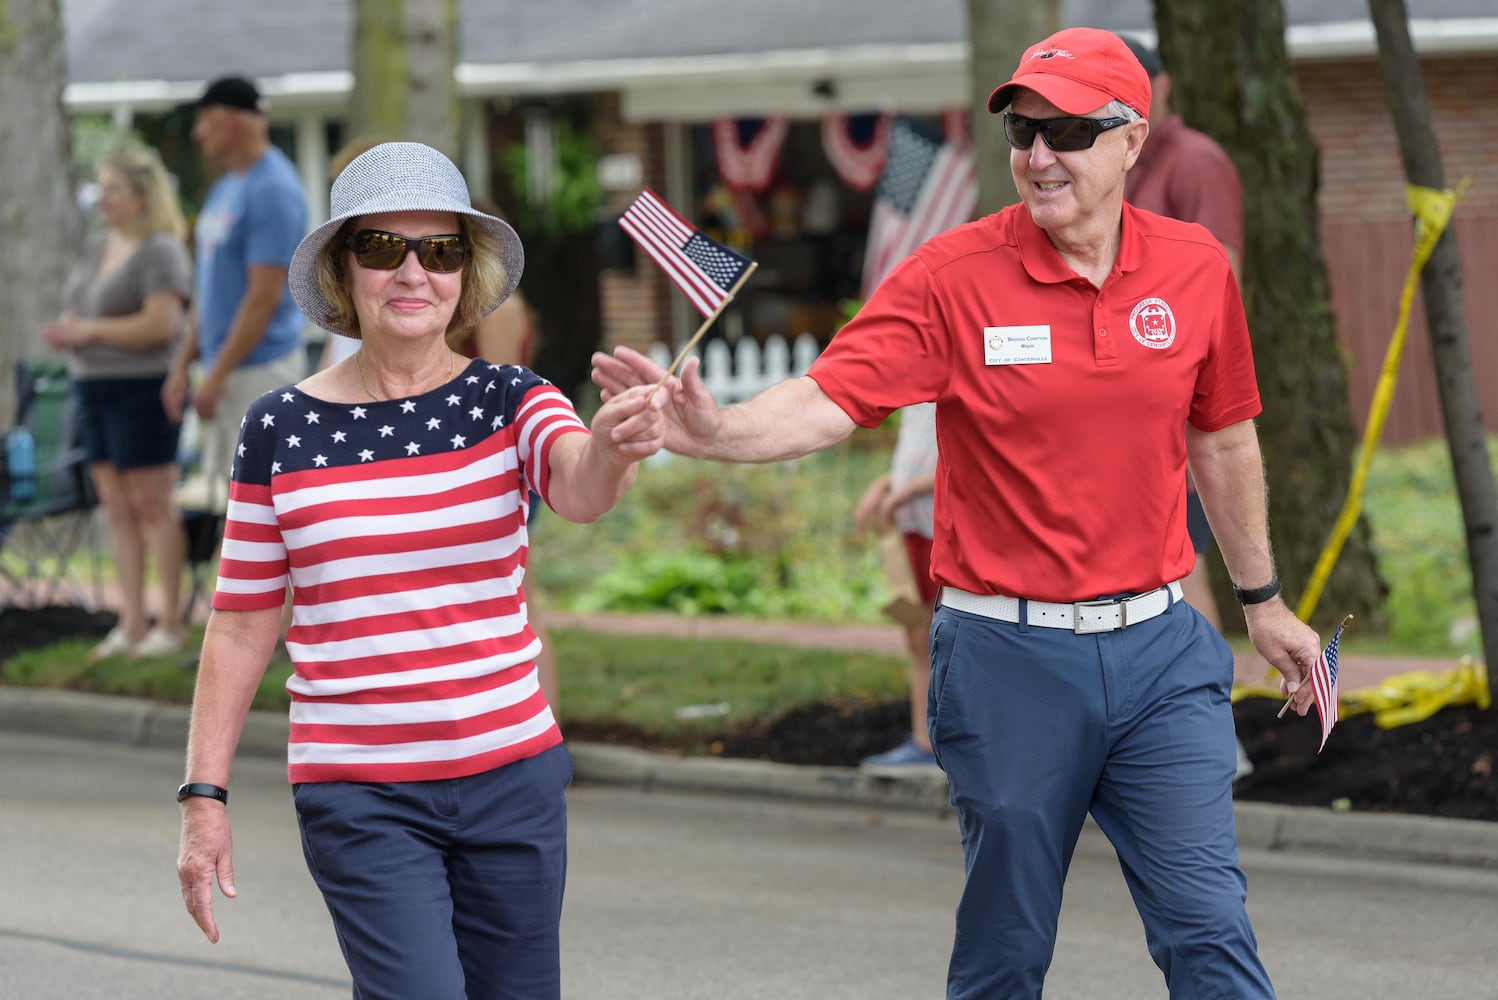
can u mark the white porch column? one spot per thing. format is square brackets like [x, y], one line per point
[476, 147]
[312, 164]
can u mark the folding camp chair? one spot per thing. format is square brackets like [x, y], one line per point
[203, 505]
[204, 529]
[43, 528]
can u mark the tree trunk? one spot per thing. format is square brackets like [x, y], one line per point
[404, 55]
[1441, 283]
[1232, 80]
[39, 219]
[999, 32]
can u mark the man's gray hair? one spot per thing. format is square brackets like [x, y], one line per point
[1118, 109]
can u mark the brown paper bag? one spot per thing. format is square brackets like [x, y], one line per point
[905, 605]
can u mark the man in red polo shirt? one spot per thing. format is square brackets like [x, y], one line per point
[1078, 352]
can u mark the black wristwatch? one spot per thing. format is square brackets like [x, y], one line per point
[202, 789]
[1258, 595]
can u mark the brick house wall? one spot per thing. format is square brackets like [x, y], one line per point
[636, 304]
[1367, 233]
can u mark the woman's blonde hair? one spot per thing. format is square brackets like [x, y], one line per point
[148, 177]
[483, 272]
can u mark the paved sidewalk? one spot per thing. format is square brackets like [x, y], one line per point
[1377, 838]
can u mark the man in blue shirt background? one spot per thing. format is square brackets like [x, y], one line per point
[247, 335]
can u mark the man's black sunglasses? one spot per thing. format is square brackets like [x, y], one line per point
[381, 251]
[1064, 135]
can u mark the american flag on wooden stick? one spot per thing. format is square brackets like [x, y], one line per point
[1324, 684]
[706, 270]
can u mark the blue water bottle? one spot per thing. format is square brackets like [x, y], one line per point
[20, 459]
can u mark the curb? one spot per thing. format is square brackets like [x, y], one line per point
[1380, 837]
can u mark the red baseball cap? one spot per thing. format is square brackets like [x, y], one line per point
[1079, 70]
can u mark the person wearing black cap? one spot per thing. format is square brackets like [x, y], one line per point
[1079, 352]
[247, 332]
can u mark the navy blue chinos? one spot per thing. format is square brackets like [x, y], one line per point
[1038, 727]
[449, 889]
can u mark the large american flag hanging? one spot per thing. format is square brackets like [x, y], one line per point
[928, 186]
[706, 270]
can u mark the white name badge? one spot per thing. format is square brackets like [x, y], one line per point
[1017, 345]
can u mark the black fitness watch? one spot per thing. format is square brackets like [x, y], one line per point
[1258, 595]
[202, 789]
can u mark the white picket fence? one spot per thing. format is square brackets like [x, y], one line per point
[734, 374]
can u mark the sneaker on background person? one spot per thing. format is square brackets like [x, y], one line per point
[906, 759]
[1245, 766]
[157, 642]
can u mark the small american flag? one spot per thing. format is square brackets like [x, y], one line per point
[706, 270]
[928, 186]
[1324, 684]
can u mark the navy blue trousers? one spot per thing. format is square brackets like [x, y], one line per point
[445, 890]
[1036, 728]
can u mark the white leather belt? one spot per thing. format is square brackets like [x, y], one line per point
[1082, 617]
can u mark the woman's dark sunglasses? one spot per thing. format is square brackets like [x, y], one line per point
[380, 251]
[1064, 135]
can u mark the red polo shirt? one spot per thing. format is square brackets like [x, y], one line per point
[1061, 407]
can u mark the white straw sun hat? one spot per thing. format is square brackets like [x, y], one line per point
[395, 177]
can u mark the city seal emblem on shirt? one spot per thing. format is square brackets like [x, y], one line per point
[1153, 324]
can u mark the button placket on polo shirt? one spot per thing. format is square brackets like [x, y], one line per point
[1104, 339]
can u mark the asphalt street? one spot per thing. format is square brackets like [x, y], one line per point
[670, 894]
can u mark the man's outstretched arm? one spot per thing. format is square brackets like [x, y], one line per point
[790, 419]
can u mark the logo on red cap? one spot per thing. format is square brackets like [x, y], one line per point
[1079, 70]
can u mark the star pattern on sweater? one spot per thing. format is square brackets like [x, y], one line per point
[331, 435]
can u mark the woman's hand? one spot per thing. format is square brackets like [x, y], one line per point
[692, 417]
[207, 853]
[630, 426]
[873, 506]
[65, 333]
[590, 472]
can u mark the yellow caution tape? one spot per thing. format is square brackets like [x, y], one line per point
[1402, 699]
[1432, 210]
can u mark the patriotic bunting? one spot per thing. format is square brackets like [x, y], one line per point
[857, 163]
[748, 150]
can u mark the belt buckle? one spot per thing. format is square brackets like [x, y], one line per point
[1076, 617]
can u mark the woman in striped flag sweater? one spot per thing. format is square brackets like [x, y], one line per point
[390, 493]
